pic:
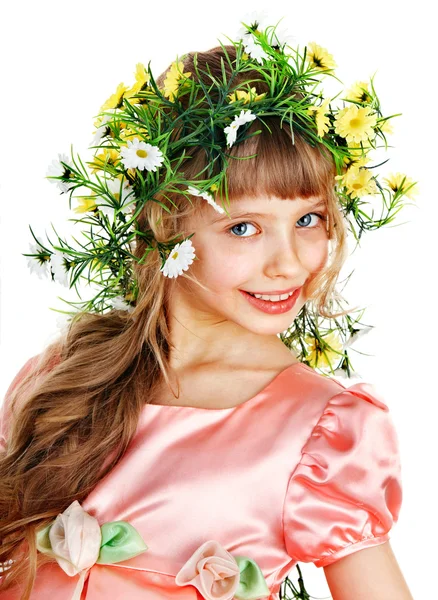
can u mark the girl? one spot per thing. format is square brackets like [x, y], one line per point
[180, 450]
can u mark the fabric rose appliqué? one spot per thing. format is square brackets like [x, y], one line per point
[218, 575]
[77, 541]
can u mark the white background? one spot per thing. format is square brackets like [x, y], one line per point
[60, 62]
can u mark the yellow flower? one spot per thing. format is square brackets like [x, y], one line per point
[115, 101]
[247, 97]
[126, 134]
[359, 92]
[141, 78]
[171, 83]
[357, 155]
[214, 187]
[396, 183]
[85, 205]
[355, 124]
[316, 349]
[322, 121]
[109, 155]
[386, 126]
[319, 57]
[358, 182]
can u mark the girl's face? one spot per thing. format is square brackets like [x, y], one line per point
[277, 249]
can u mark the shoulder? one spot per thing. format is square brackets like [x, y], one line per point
[305, 390]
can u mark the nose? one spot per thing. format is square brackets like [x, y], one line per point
[283, 259]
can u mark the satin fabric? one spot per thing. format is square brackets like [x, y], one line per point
[307, 470]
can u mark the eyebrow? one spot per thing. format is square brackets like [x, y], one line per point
[269, 216]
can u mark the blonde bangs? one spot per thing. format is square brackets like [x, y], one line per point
[283, 167]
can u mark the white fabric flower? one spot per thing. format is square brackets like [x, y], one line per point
[180, 258]
[140, 155]
[35, 266]
[256, 19]
[101, 131]
[231, 131]
[194, 192]
[126, 200]
[57, 264]
[357, 335]
[255, 50]
[56, 169]
[281, 37]
[119, 303]
[63, 323]
[75, 537]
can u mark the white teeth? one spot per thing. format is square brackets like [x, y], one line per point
[273, 298]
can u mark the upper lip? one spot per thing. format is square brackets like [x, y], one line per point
[272, 292]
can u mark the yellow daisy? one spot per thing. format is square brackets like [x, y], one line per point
[109, 155]
[320, 355]
[172, 81]
[247, 97]
[142, 77]
[85, 205]
[358, 155]
[358, 182]
[355, 124]
[127, 134]
[386, 126]
[359, 92]
[321, 118]
[319, 57]
[116, 100]
[396, 183]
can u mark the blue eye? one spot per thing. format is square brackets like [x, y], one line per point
[245, 223]
[321, 217]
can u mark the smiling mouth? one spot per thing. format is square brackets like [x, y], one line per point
[273, 294]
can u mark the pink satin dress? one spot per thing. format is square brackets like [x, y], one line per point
[307, 470]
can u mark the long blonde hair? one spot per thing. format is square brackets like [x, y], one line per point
[75, 408]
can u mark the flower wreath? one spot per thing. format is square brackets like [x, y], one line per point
[135, 159]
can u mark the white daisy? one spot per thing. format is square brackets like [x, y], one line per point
[63, 323]
[35, 265]
[342, 374]
[57, 264]
[357, 335]
[194, 192]
[255, 19]
[231, 131]
[56, 169]
[126, 200]
[255, 50]
[119, 303]
[281, 38]
[179, 259]
[103, 130]
[140, 155]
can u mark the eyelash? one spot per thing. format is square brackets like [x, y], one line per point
[229, 232]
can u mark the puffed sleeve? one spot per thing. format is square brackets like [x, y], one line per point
[345, 493]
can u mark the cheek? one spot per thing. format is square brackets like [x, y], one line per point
[314, 256]
[224, 266]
